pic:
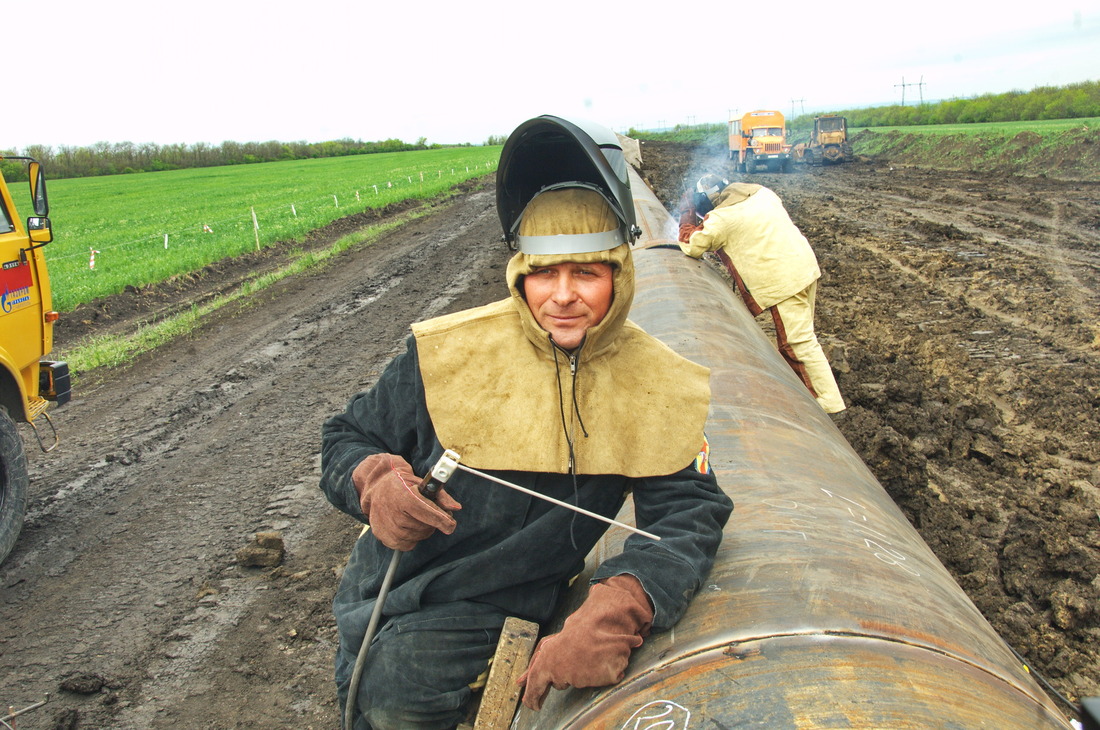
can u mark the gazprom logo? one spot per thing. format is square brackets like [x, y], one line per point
[11, 299]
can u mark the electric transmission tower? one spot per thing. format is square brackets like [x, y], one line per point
[918, 84]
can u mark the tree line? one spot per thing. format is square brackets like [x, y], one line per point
[106, 158]
[1074, 101]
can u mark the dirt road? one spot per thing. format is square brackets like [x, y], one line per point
[959, 311]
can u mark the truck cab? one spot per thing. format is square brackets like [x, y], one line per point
[28, 382]
[759, 139]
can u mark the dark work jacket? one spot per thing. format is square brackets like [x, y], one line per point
[509, 550]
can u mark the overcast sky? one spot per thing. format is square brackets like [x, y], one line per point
[460, 71]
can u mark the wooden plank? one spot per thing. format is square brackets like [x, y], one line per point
[501, 695]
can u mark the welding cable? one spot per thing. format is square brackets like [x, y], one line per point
[431, 484]
[1049, 687]
[570, 434]
[572, 358]
[372, 626]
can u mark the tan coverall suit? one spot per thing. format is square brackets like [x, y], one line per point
[775, 269]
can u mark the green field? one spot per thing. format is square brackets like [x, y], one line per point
[1042, 127]
[1061, 148]
[207, 213]
[148, 227]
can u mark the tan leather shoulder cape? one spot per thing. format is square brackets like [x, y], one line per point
[492, 391]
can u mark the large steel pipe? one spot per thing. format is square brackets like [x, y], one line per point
[825, 608]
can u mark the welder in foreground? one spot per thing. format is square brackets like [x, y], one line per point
[553, 389]
[772, 265]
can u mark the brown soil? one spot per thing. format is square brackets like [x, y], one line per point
[959, 310]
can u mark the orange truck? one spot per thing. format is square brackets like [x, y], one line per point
[759, 140]
[28, 383]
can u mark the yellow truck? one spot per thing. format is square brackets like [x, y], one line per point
[828, 142]
[759, 139]
[28, 383]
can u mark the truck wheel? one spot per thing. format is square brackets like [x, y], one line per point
[13, 483]
[750, 163]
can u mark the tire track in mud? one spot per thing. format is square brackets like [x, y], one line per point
[228, 601]
[1008, 498]
[1004, 500]
[126, 567]
[971, 371]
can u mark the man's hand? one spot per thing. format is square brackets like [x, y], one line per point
[689, 218]
[399, 517]
[593, 647]
[687, 203]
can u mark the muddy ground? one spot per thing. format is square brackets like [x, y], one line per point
[959, 310]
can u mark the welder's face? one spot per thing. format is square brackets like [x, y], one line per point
[568, 298]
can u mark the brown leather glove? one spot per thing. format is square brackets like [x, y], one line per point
[687, 202]
[593, 647]
[689, 219]
[388, 494]
[688, 226]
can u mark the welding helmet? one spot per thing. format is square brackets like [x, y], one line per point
[710, 185]
[547, 153]
[570, 219]
[707, 189]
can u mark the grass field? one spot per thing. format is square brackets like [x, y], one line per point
[1063, 148]
[148, 227]
[1041, 127]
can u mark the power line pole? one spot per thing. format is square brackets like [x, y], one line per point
[800, 102]
[919, 85]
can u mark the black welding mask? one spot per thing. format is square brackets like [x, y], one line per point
[550, 151]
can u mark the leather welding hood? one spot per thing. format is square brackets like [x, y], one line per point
[496, 388]
[549, 150]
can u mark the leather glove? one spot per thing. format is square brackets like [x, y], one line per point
[399, 517]
[593, 647]
[688, 217]
[689, 224]
[686, 203]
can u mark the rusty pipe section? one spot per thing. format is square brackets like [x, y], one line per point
[825, 608]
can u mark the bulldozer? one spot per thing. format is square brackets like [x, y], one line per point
[828, 142]
[28, 382]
